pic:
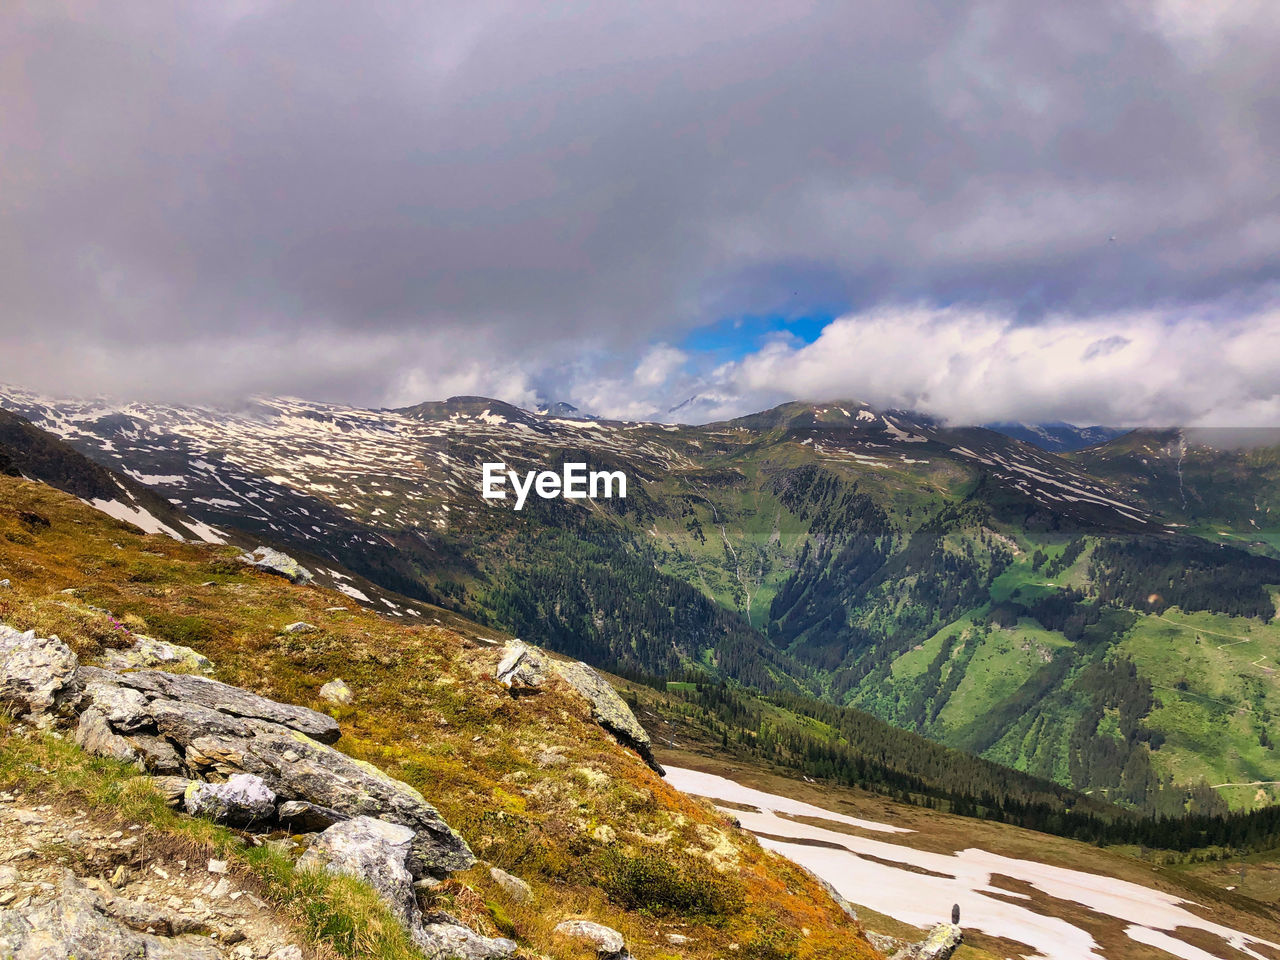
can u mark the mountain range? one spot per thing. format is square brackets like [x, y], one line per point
[1104, 617]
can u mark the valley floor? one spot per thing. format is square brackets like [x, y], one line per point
[1020, 893]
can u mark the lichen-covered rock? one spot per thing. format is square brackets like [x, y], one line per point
[374, 851]
[207, 730]
[300, 626]
[147, 653]
[379, 853]
[281, 564]
[37, 674]
[193, 692]
[443, 937]
[522, 669]
[511, 885]
[940, 944]
[336, 691]
[240, 802]
[607, 941]
[608, 709]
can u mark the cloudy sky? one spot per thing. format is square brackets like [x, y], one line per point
[987, 210]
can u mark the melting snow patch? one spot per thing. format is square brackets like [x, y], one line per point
[352, 592]
[135, 515]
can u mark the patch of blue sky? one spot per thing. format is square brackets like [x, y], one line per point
[732, 338]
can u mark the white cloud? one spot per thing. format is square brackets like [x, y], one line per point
[975, 366]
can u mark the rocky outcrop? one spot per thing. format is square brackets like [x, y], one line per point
[375, 851]
[939, 945]
[608, 709]
[38, 675]
[942, 941]
[607, 941]
[522, 669]
[239, 758]
[195, 698]
[212, 731]
[379, 853]
[281, 564]
[147, 653]
[525, 669]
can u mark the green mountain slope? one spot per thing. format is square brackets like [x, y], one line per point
[1068, 615]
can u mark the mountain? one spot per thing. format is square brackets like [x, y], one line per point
[1104, 618]
[1057, 436]
[570, 823]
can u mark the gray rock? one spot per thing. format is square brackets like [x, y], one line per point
[77, 923]
[608, 709]
[523, 668]
[125, 709]
[940, 944]
[301, 769]
[336, 691]
[37, 674]
[149, 653]
[511, 885]
[233, 702]
[303, 817]
[443, 937]
[94, 735]
[281, 564]
[300, 627]
[607, 941]
[242, 801]
[374, 851]
[5, 585]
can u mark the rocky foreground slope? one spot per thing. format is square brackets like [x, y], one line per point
[494, 816]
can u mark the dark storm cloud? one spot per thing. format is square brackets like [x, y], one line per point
[368, 201]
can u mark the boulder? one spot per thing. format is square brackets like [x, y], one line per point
[940, 944]
[300, 626]
[240, 802]
[207, 730]
[148, 653]
[336, 691]
[233, 702]
[511, 885]
[374, 851]
[607, 941]
[37, 674]
[608, 709]
[379, 853]
[281, 564]
[443, 937]
[523, 669]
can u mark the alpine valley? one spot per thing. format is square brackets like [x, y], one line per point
[1104, 618]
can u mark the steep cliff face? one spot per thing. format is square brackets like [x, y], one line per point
[482, 823]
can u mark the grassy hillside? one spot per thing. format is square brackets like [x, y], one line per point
[531, 783]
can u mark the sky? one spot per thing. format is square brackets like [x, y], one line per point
[981, 210]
